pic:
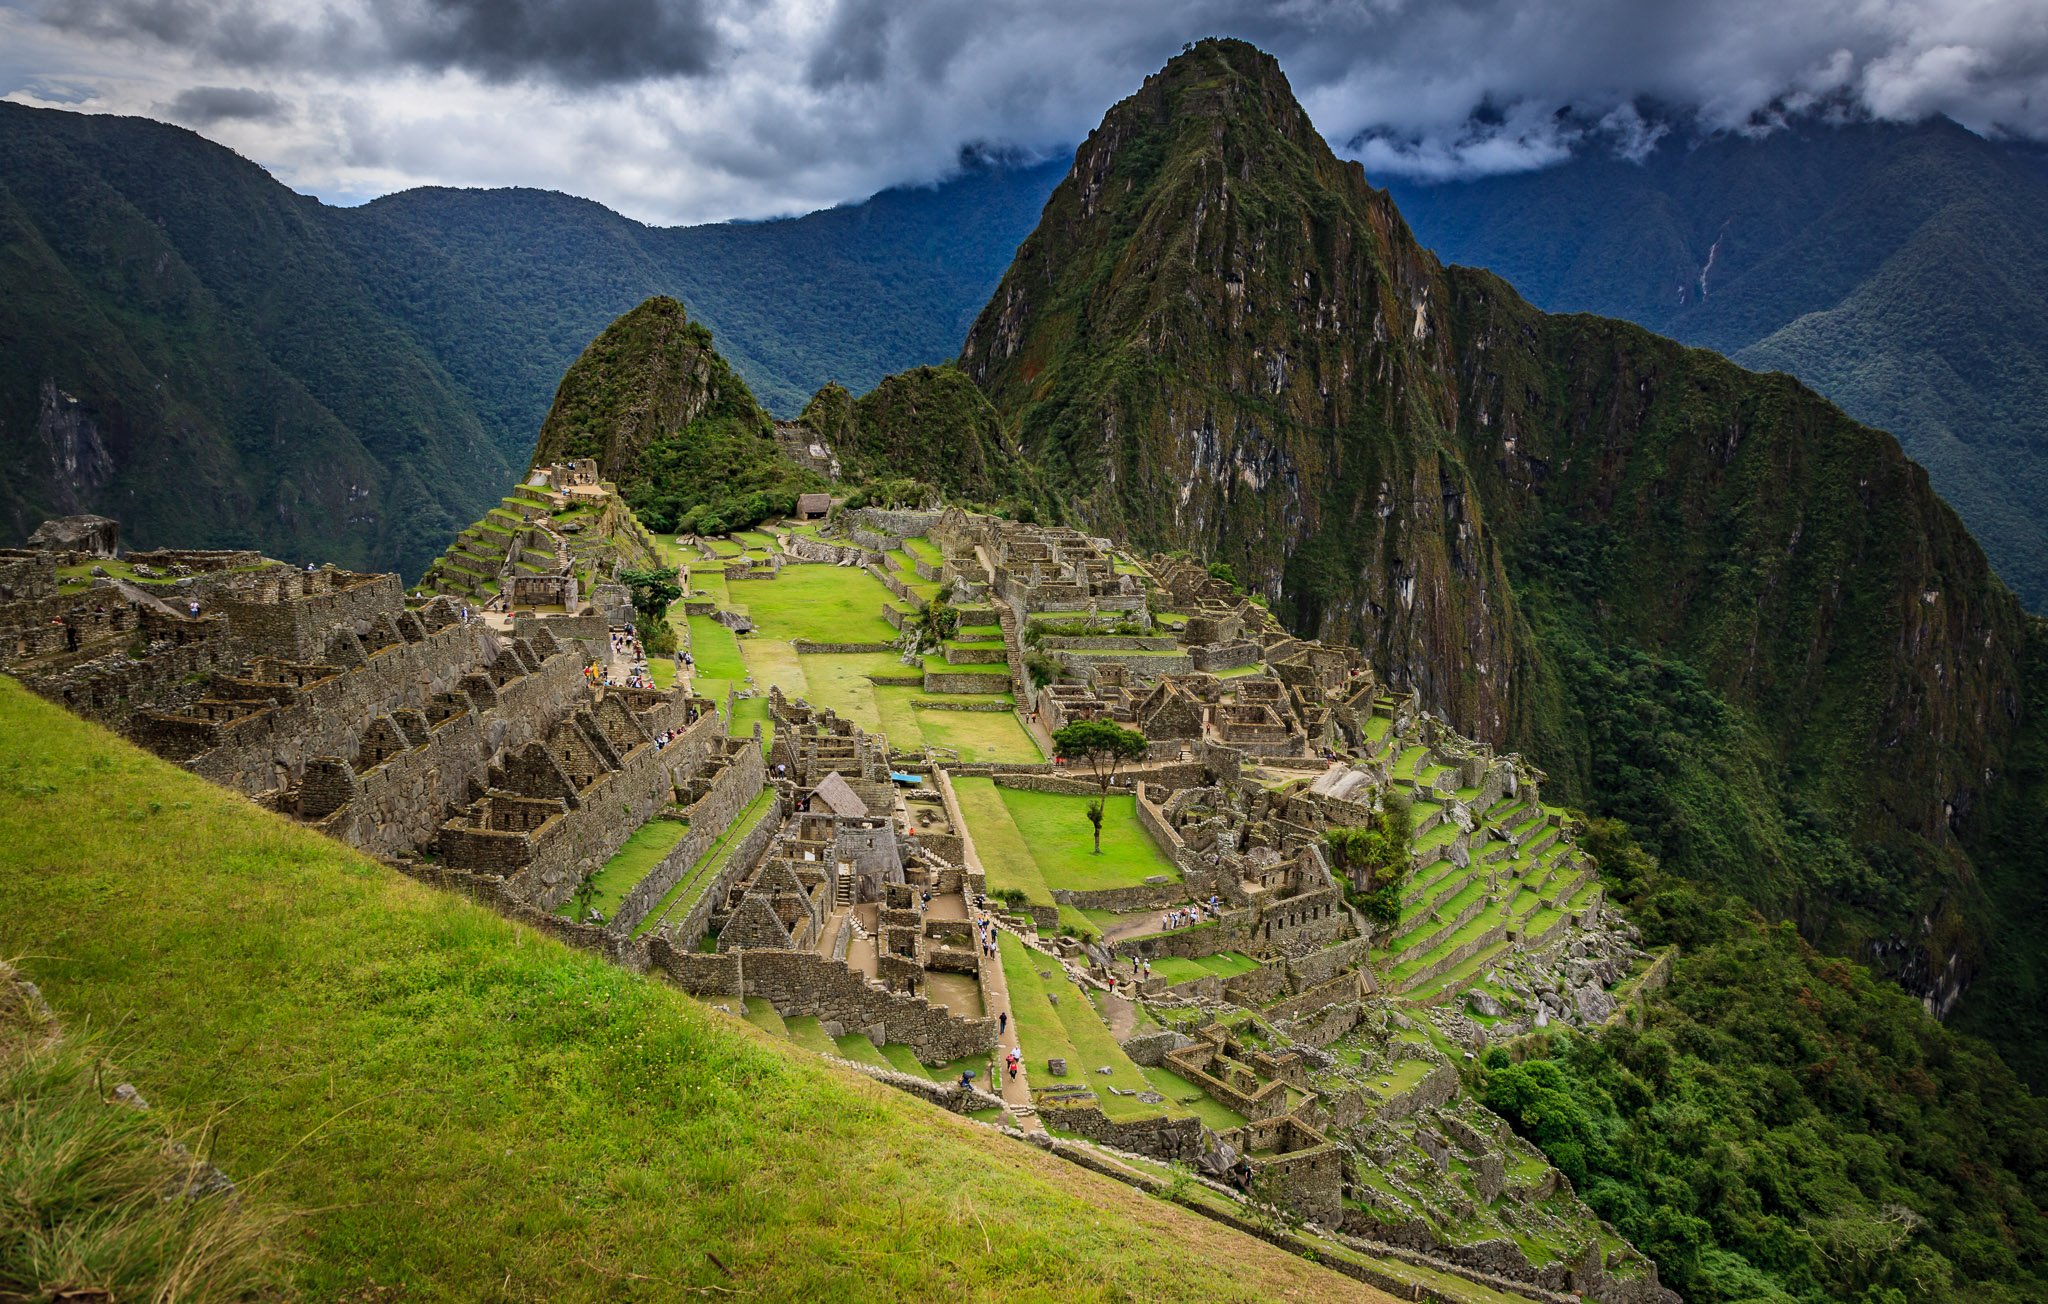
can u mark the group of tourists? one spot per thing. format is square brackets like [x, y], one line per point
[665, 737]
[985, 931]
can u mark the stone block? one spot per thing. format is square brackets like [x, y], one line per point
[1056, 1066]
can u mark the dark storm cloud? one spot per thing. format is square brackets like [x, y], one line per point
[692, 110]
[202, 106]
[577, 43]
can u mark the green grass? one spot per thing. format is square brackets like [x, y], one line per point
[860, 1050]
[631, 863]
[1056, 828]
[822, 604]
[448, 1101]
[87, 1213]
[925, 550]
[762, 1015]
[680, 898]
[1071, 1030]
[1005, 856]
[715, 649]
[809, 1032]
[1228, 964]
[980, 735]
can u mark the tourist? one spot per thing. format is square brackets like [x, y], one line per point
[1002, 1023]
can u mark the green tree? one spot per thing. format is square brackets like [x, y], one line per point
[1105, 746]
[652, 591]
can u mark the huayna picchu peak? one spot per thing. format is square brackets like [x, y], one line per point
[1221, 338]
[1282, 772]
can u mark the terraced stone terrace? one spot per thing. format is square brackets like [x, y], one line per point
[1205, 990]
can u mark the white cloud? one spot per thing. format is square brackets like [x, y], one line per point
[697, 110]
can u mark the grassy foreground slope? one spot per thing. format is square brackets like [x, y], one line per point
[453, 1107]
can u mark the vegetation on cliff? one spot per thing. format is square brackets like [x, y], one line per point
[185, 346]
[1781, 1125]
[669, 421]
[1900, 269]
[931, 424]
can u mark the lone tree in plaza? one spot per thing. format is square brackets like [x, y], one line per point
[652, 592]
[1105, 746]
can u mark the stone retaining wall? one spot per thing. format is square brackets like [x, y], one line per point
[900, 521]
[954, 681]
[1171, 1140]
[801, 983]
[688, 931]
[1139, 896]
[712, 814]
[898, 587]
[1222, 657]
[1437, 1088]
[874, 542]
[696, 973]
[1148, 663]
[1344, 987]
[803, 646]
[1454, 959]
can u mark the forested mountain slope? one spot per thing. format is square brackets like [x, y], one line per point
[1900, 270]
[1702, 598]
[185, 346]
[190, 346]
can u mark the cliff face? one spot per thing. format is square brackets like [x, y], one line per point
[1221, 338]
[1701, 596]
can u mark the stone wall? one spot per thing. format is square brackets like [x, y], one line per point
[943, 681]
[901, 522]
[697, 974]
[1344, 987]
[873, 542]
[801, 983]
[1225, 656]
[710, 816]
[1147, 663]
[803, 646]
[1171, 1140]
[296, 630]
[687, 932]
[1437, 1088]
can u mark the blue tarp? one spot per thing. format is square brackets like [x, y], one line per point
[905, 778]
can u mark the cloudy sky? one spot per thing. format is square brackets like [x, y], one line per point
[701, 110]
